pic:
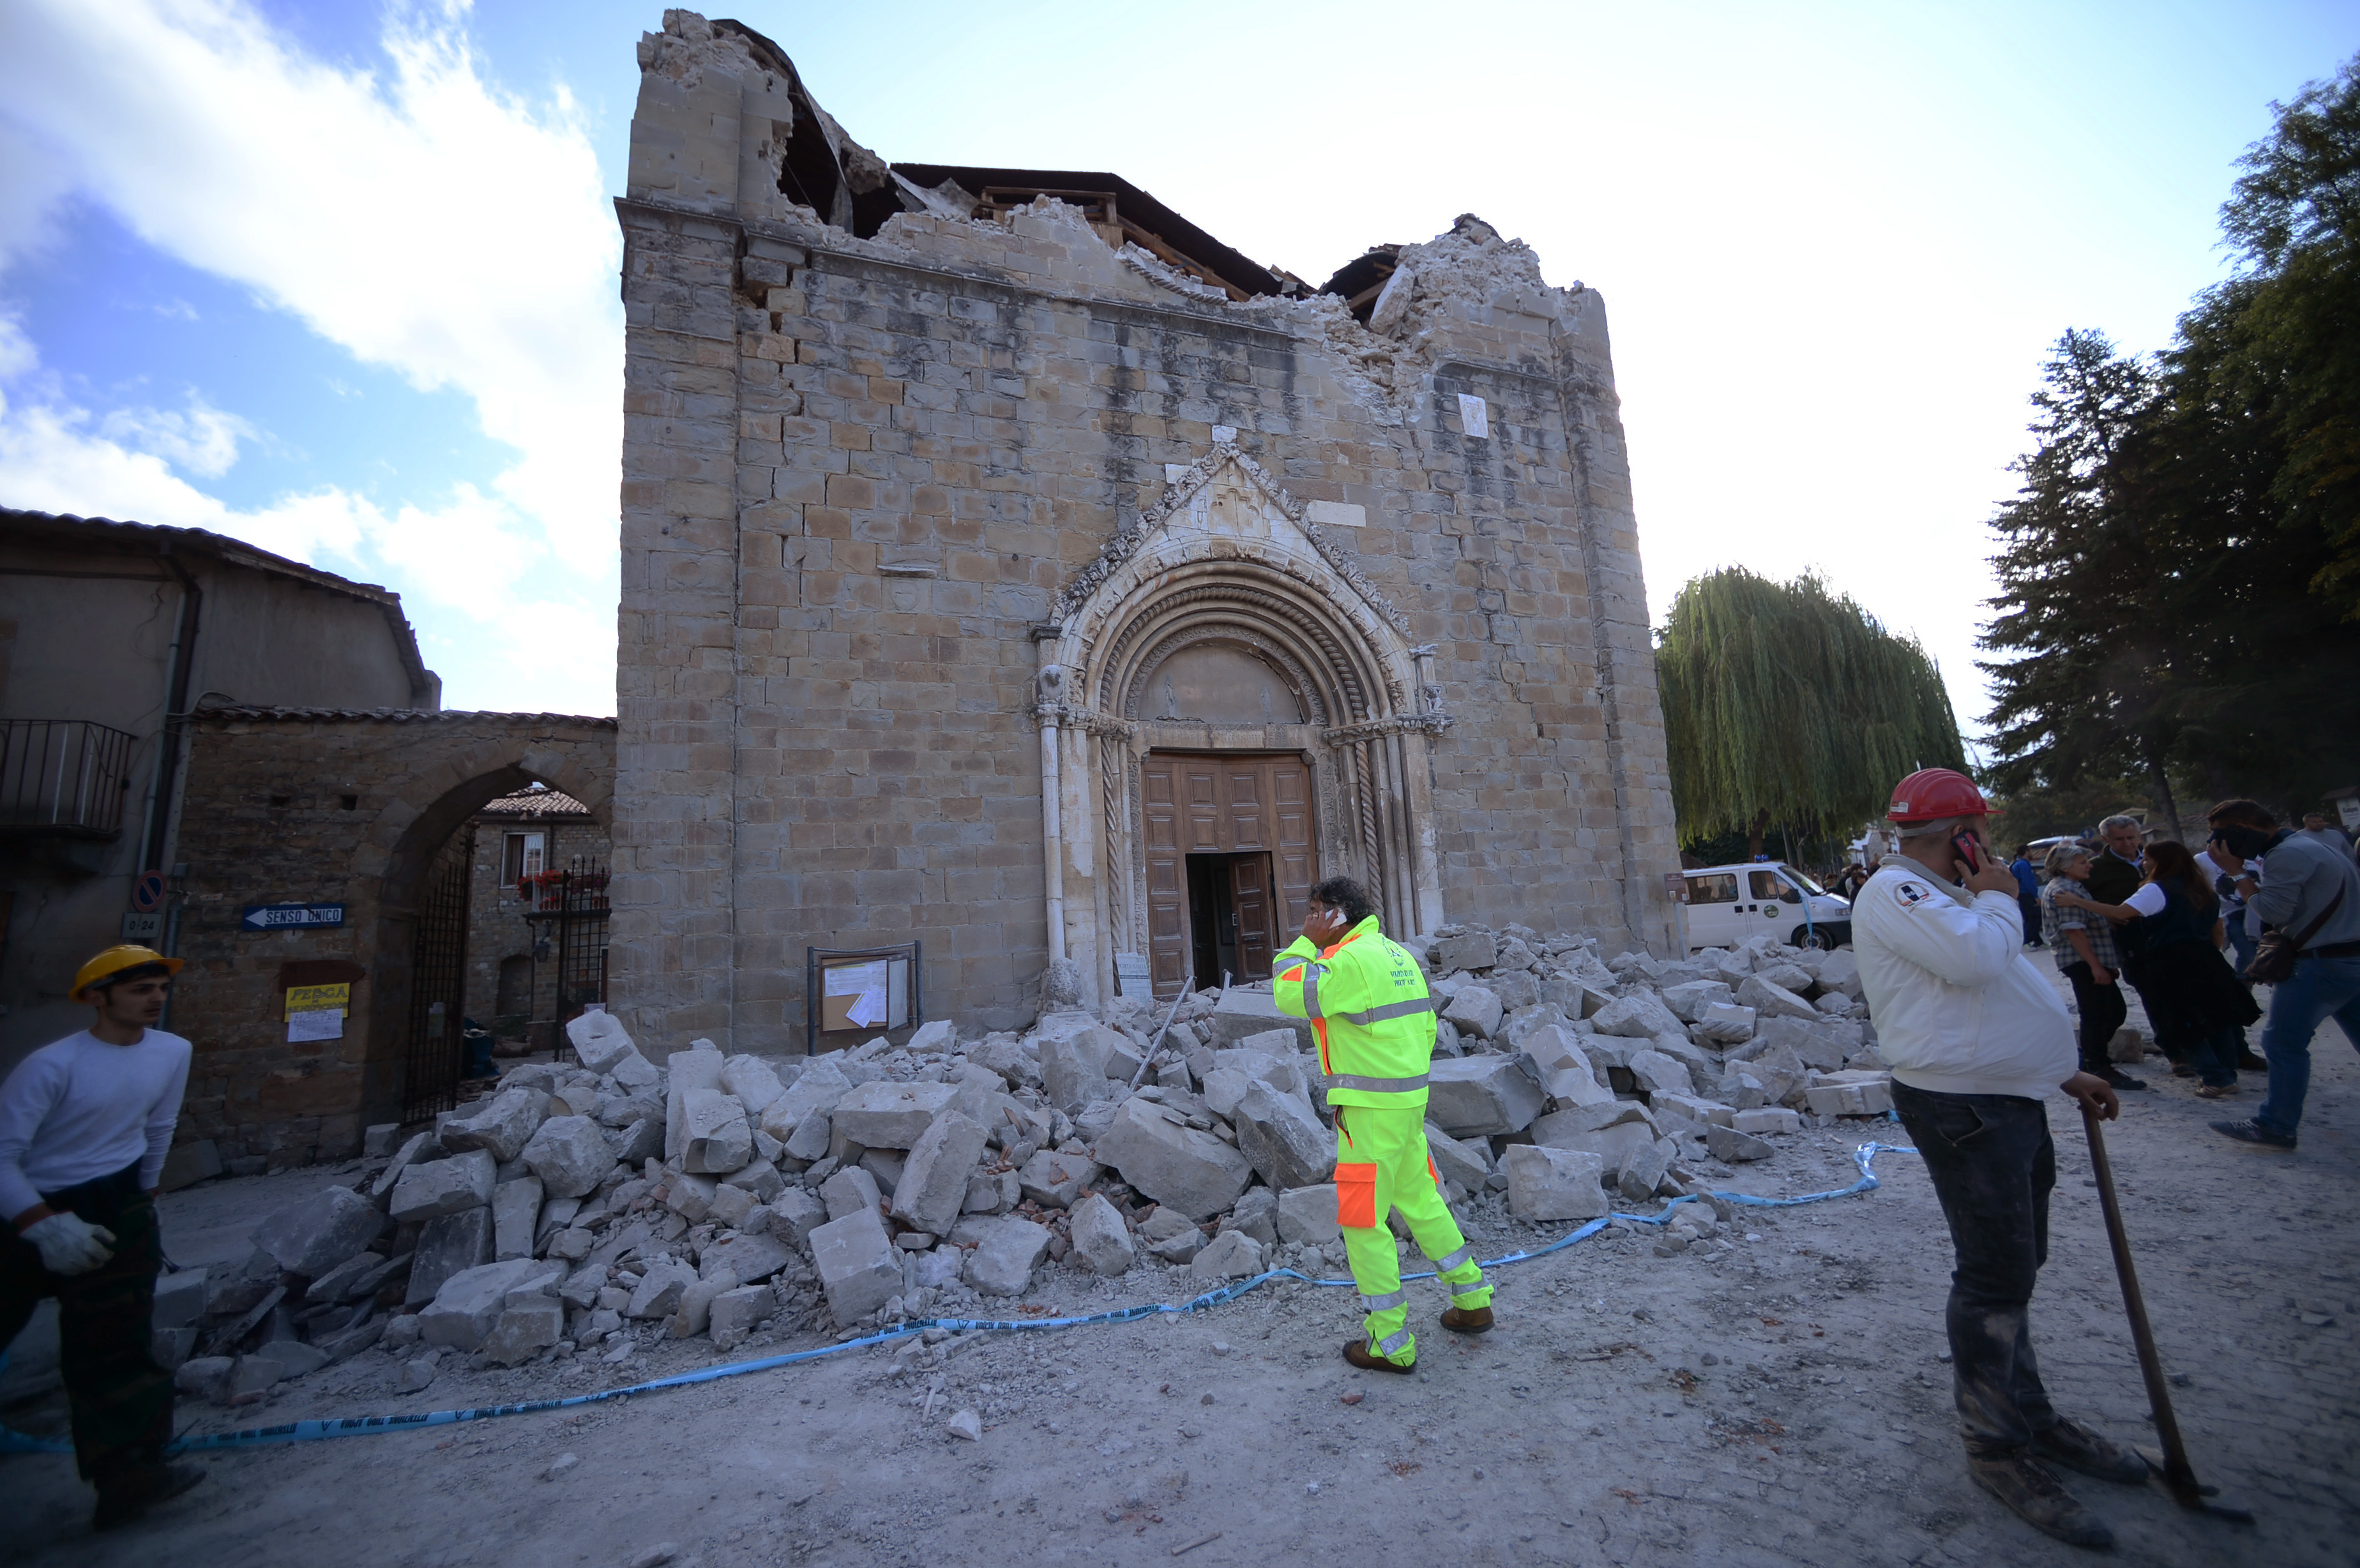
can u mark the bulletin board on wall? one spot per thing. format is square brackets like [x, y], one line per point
[852, 995]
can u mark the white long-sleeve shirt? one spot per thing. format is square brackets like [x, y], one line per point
[79, 1108]
[1958, 1008]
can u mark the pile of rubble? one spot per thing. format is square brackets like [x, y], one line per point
[592, 1209]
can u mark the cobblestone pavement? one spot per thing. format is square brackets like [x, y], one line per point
[1784, 1402]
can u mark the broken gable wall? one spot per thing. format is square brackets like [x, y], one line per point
[858, 473]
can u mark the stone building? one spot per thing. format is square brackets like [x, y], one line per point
[1012, 568]
[536, 914]
[367, 815]
[110, 631]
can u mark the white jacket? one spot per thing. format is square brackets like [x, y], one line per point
[1958, 1008]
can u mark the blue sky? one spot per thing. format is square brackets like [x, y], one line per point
[340, 278]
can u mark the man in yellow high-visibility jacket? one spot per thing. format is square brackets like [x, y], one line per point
[1368, 1003]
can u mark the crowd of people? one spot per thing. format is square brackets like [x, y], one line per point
[1979, 1040]
[2180, 928]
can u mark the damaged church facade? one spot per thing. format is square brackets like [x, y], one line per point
[1012, 569]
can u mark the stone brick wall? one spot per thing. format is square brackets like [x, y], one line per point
[497, 928]
[313, 806]
[869, 486]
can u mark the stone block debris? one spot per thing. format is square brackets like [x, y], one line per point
[572, 1211]
[887, 1114]
[1232, 1254]
[467, 1306]
[1553, 1183]
[1484, 1095]
[442, 1187]
[516, 1212]
[1173, 1163]
[856, 1264]
[1004, 1255]
[1308, 1215]
[1055, 1178]
[1100, 1237]
[933, 1187]
[714, 1137]
[569, 1154]
[1283, 1139]
[600, 1041]
[330, 1228]
[1475, 1009]
[1773, 1001]
[500, 1127]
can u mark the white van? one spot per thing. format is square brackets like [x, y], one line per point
[1729, 904]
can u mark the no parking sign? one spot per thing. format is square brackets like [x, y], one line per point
[147, 892]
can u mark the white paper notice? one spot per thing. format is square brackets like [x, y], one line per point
[1473, 416]
[869, 1009]
[854, 979]
[316, 1023]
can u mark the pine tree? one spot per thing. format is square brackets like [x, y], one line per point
[2295, 218]
[2087, 602]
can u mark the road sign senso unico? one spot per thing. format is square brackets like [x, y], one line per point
[290, 917]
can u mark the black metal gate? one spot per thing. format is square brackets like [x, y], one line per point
[438, 979]
[574, 902]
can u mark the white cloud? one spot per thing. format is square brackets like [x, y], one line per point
[33, 181]
[419, 217]
[478, 587]
[17, 354]
[204, 440]
[60, 459]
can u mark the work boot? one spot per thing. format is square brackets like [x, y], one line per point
[1467, 1320]
[127, 1494]
[1357, 1353]
[2249, 1063]
[2076, 1447]
[2119, 1079]
[2033, 1491]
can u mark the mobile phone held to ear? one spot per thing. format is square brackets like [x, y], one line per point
[1968, 850]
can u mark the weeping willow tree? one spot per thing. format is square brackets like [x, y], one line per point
[1785, 703]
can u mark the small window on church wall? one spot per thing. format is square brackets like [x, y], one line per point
[527, 854]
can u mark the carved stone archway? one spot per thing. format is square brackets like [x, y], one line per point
[1227, 561]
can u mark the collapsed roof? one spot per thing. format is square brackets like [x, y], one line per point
[851, 188]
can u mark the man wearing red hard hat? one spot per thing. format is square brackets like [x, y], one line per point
[84, 1125]
[1978, 1039]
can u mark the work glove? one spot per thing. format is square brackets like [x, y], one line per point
[69, 1244]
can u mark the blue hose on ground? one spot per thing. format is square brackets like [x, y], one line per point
[356, 1426]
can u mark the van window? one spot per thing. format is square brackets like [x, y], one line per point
[1719, 889]
[1766, 884]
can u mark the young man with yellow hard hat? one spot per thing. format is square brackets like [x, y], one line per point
[84, 1126]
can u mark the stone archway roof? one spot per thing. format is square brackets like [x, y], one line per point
[530, 802]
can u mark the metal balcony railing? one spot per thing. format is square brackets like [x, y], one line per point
[64, 775]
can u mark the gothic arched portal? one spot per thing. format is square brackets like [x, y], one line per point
[1225, 644]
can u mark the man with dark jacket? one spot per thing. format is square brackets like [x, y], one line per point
[2115, 875]
[2312, 894]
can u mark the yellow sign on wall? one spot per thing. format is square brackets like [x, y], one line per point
[319, 998]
